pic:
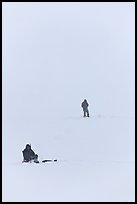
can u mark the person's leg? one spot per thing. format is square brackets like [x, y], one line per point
[84, 113]
[36, 158]
[87, 113]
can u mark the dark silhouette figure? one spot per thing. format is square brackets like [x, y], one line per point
[29, 155]
[85, 105]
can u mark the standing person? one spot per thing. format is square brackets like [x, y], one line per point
[85, 105]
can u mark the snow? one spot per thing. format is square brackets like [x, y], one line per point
[95, 163]
[45, 78]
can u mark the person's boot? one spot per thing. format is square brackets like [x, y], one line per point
[87, 113]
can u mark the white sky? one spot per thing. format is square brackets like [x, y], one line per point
[57, 54]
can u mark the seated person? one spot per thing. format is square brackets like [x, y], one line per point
[29, 155]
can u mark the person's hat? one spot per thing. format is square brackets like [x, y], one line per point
[28, 145]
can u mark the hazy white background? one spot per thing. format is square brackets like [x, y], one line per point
[54, 56]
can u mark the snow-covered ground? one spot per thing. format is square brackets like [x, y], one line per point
[95, 160]
[54, 56]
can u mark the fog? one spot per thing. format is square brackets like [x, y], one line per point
[54, 55]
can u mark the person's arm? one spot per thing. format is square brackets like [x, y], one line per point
[32, 153]
[87, 104]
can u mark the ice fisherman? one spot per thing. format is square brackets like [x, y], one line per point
[85, 105]
[29, 155]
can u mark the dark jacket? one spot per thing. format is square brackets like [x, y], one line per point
[28, 154]
[84, 105]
